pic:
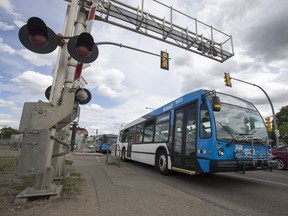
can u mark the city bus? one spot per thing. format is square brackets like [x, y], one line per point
[198, 133]
[104, 142]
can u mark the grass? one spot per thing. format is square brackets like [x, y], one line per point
[71, 185]
[9, 168]
[8, 163]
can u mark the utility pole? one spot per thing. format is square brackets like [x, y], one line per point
[276, 131]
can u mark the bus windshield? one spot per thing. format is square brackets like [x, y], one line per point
[238, 119]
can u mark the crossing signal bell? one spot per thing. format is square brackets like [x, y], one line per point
[268, 124]
[227, 79]
[83, 96]
[164, 64]
[37, 37]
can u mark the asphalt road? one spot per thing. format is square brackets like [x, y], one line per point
[257, 193]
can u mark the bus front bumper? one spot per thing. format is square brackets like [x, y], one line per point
[241, 165]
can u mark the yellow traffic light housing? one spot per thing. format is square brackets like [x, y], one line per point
[268, 124]
[164, 64]
[227, 79]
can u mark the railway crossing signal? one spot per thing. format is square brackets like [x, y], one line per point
[82, 48]
[37, 37]
[43, 123]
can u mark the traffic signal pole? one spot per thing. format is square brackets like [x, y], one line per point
[276, 131]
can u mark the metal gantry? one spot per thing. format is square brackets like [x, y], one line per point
[142, 22]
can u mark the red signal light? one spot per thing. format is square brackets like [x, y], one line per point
[82, 48]
[37, 37]
[37, 30]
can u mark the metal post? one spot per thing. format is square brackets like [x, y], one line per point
[73, 135]
[272, 108]
[62, 59]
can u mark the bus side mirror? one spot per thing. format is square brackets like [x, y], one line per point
[216, 103]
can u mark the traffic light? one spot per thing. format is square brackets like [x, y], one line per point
[37, 37]
[82, 48]
[227, 79]
[164, 64]
[268, 124]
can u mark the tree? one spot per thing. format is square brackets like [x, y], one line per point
[282, 121]
[6, 132]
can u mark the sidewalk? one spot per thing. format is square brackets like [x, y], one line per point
[107, 190]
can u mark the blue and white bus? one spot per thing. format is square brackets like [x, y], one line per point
[200, 132]
[105, 142]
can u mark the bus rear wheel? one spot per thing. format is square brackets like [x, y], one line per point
[162, 162]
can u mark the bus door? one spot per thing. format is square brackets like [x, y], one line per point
[130, 140]
[184, 142]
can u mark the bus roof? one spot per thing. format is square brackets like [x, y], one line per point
[171, 105]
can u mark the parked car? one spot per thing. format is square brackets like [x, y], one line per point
[281, 155]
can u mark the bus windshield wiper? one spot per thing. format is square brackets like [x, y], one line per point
[225, 127]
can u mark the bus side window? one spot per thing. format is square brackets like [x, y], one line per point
[205, 123]
[120, 136]
[149, 131]
[132, 134]
[139, 133]
[125, 136]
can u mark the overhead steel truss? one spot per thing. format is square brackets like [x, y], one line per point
[137, 20]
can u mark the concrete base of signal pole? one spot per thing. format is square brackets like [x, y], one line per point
[43, 188]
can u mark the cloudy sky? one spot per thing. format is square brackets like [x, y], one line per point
[123, 82]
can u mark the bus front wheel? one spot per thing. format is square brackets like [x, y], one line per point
[162, 162]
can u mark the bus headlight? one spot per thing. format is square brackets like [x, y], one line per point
[221, 152]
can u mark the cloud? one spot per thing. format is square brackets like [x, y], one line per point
[107, 82]
[38, 59]
[108, 77]
[32, 82]
[268, 33]
[9, 7]
[4, 103]
[6, 48]
[6, 26]
[94, 107]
